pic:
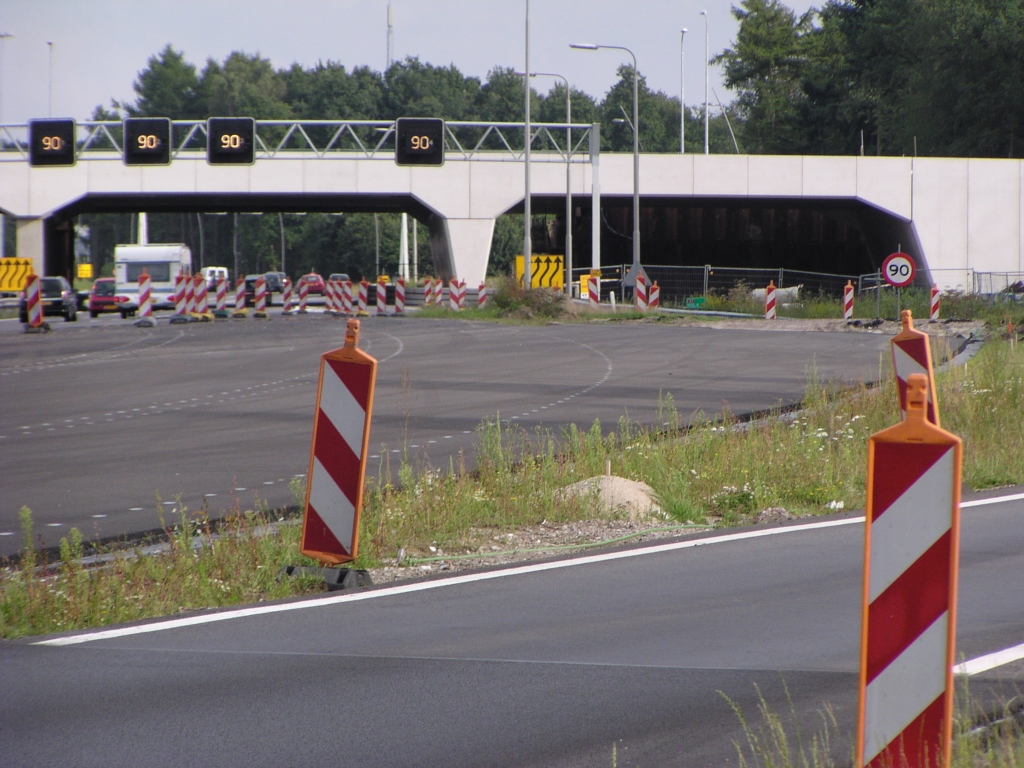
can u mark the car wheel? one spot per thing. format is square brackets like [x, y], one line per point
[93, 314]
[71, 317]
[22, 318]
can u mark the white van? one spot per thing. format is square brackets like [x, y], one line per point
[163, 263]
[212, 275]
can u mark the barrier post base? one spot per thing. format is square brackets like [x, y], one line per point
[337, 579]
[43, 327]
[180, 319]
[240, 314]
[221, 314]
[145, 322]
[261, 315]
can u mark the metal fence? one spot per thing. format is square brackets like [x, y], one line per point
[998, 282]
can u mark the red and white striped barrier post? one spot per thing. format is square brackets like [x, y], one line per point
[145, 295]
[481, 296]
[179, 295]
[382, 297]
[640, 293]
[654, 296]
[287, 299]
[594, 290]
[222, 295]
[933, 315]
[346, 297]
[769, 301]
[337, 462]
[456, 294]
[240, 310]
[33, 301]
[908, 625]
[848, 301]
[400, 296]
[439, 292]
[911, 353]
[190, 296]
[329, 298]
[202, 302]
[303, 297]
[261, 298]
[364, 295]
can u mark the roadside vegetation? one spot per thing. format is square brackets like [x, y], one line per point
[718, 472]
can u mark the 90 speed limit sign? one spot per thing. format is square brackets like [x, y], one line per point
[899, 269]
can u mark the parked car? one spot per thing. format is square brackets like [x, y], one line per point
[343, 276]
[57, 298]
[250, 290]
[314, 283]
[275, 281]
[103, 298]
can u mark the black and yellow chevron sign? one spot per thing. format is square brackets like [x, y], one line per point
[546, 270]
[13, 272]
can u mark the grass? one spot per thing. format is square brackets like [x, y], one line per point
[703, 471]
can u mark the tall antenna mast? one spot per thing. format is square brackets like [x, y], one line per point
[391, 34]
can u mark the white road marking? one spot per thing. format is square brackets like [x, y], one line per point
[990, 661]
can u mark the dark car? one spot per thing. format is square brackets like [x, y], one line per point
[250, 290]
[102, 298]
[57, 298]
[275, 281]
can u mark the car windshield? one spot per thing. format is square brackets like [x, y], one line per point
[52, 286]
[105, 288]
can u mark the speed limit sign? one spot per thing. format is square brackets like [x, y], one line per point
[899, 269]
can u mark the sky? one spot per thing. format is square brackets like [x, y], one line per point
[99, 47]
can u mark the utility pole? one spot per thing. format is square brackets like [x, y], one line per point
[527, 218]
[49, 81]
[682, 94]
[391, 33]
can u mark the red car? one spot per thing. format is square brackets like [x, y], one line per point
[313, 282]
[102, 298]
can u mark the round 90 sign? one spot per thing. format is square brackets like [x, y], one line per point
[899, 269]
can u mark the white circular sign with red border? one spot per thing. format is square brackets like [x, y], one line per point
[899, 269]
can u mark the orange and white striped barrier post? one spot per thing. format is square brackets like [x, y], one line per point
[330, 298]
[908, 625]
[933, 314]
[287, 298]
[848, 301]
[240, 308]
[400, 296]
[364, 295]
[594, 290]
[769, 301]
[382, 297]
[34, 303]
[261, 299]
[179, 295]
[190, 296]
[640, 293]
[346, 297]
[654, 296]
[145, 301]
[222, 295]
[428, 290]
[202, 300]
[911, 353]
[481, 296]
[337, 462]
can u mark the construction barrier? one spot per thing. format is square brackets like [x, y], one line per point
[438, 292]
[640, 293]
[240, 310]
[13, 273]
[190, 296]
[202, 301]
[769, 301]
[654, 296]
[594, 290]
[261, 298]
[364, 295]
[908, 625]
[332, 301]
[337, 462]
[286, 299]
[222, 295]
[145, 295]
[911, 353]
[33, 300]
[848, 301]
[382, 297]
[481, 297]
[933, 315]
[400, 296]
[456, 294]
[303, 297]
[346, 297]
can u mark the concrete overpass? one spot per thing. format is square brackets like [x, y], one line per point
[954, 215]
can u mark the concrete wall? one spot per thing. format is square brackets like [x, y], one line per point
[967, 214]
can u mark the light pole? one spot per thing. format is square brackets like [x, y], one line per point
[49, 86]
[682, 94]
[3, 37]
[568, 175]
[635, 269]
[707, 57]
[527, 214]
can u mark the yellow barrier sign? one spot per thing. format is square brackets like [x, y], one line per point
[546, 270]
[85, 271]
[13, 272]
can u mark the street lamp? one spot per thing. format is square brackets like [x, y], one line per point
[707, 56]
[635, 269]
[3, 36]
[568, 173]
[682, 94]
[49, 83]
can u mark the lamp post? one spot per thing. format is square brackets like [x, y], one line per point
[630, 278]
[527, 139]
[707, 57]
[49, 83]
[682, 94]
[568, 174]
[3, 37]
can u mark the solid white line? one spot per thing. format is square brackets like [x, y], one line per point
[993, 500]
[466, 579]
[989, 661]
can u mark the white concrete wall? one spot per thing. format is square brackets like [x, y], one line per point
[968, 214]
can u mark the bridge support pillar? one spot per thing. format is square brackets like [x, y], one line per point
[30, 243]
[461, 247]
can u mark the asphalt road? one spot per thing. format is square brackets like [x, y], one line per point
[102, 424]
[533, 668]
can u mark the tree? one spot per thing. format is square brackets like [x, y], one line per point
[415, 89]
[167, 87]
[659, 116]
[244, 85]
